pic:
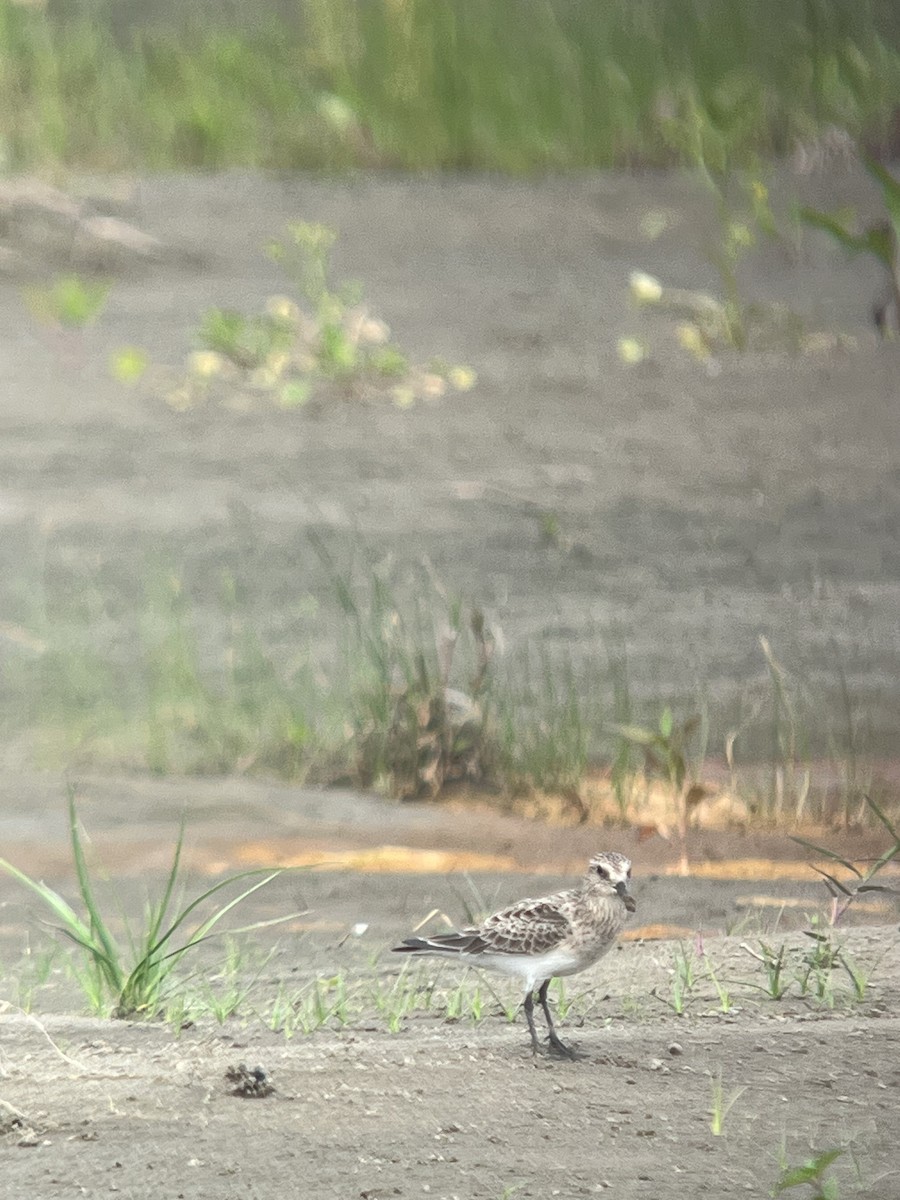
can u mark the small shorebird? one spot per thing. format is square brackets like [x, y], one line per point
[539, 939]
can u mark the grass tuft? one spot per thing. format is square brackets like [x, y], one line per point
[130, 981]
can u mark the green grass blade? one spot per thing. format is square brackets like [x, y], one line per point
[883, 819]
[878, 240]
[826, 854]
[72, 925]
[98, 926]
[199, 937]
[159, 914]
[810, 1172]
[832, 882]
[890, 189]
[64, 912]
[198, 900]
[252, 928]
[110, 970]
[203, 930]
[887, 857]
[855, 243]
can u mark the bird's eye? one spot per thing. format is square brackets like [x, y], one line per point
[603, 873]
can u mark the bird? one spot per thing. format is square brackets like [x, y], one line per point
[536, 940]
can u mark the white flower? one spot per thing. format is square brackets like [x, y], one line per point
[644, 288]
[335, 111]
[631, 351]
[690, 338]
[283, 308]
[205, 364]
[403, 396]
[463, 379]
[374, 332]
[431, 385]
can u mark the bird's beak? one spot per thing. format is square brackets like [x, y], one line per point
[627, 898]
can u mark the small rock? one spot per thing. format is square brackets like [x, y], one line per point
[676, 1048]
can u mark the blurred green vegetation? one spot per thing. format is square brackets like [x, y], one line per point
[414, 84]
[382, 678]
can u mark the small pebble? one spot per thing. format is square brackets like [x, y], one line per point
[676, 1048]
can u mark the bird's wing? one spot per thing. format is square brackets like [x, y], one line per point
[528, 927]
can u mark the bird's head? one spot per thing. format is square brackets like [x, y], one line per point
[613, 870]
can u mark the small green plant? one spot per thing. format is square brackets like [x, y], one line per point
[247, 342]
[465, 1002]
[130, 981]
[224, 994]
[322, 1002]
[563, 1000]
[339, 344]
[696, 133]
[720, 1104]
[510, 1190]
[128, 365]
[32, 972]
[859, 980]
[827, 953]
[736, 239]
[814, 972]
[813, 1175]
[774, 964]
[683, 977]
[789, 784]
[291, 350]
[549, 530]
[306, 257]
[409, 991]
[726, 1000]
[880, 239]
[70, 301]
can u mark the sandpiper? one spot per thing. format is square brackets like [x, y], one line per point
[536, 940]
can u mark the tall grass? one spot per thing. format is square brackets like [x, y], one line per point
[548, 716]
[250, 712]
[407, 696]
[410, 83]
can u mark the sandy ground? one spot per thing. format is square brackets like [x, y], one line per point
[448, 1112]
[697, 512]
[448, 1109]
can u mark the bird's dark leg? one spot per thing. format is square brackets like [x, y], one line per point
[556, 1045]
[529, 1017]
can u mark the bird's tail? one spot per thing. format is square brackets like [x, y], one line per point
[448, 944]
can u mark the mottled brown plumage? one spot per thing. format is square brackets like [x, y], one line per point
[539, 939]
